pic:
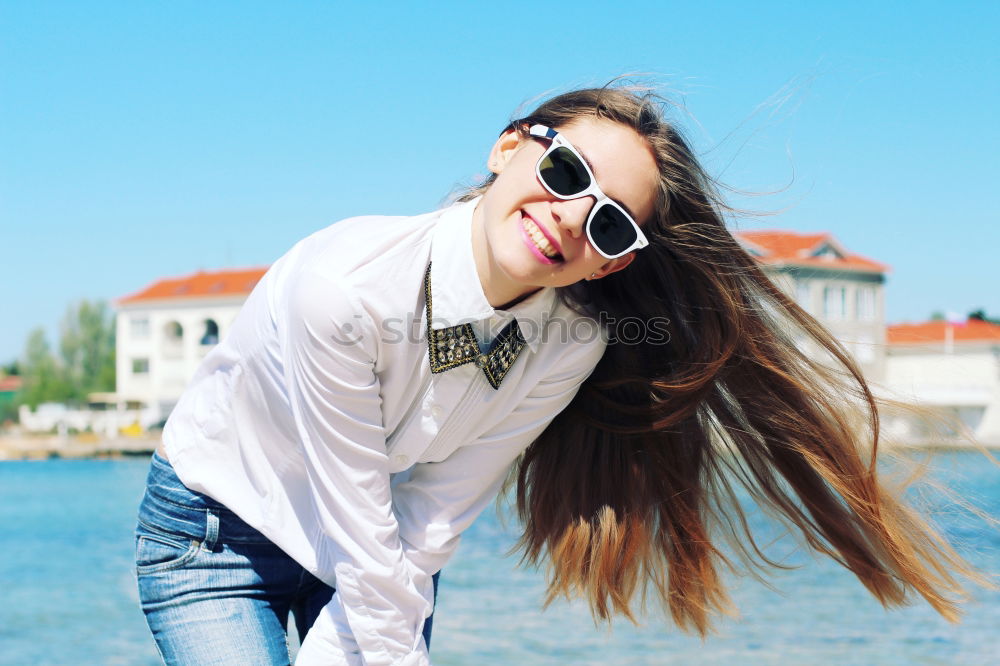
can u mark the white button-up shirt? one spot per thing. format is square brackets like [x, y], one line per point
[319, 422]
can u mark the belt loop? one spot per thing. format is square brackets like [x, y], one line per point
[211, 529]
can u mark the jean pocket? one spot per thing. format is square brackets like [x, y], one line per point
[155, 552]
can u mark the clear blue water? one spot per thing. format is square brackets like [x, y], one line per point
[69, 595]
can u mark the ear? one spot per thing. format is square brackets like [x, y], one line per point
[614, 265]
[503, 150]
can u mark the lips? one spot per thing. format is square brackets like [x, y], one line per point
[540, 240]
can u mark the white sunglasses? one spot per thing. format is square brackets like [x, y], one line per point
[565, 173]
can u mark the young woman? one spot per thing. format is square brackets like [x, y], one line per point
[387, 373]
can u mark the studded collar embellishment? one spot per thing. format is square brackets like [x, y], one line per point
[457, 345]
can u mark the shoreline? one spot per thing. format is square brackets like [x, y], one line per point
[51, 447]
[87, 446]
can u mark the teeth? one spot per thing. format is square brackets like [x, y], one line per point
[539, 238]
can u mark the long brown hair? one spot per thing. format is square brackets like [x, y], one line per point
[632, 485]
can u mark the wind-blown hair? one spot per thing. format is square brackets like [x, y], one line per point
[633, 485]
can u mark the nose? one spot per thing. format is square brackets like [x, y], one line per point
[571, 214]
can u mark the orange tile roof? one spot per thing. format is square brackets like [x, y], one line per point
[791, 248]
[973, 330]
[199, 285]
[10, 384]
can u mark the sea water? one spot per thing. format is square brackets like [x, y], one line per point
[69, 597]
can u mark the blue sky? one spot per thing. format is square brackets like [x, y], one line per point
[146, 140]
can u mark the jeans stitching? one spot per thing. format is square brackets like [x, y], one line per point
[162, 530]
[224, 536]
[212, 529]
[143, 569]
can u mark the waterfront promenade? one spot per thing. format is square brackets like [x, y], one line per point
[35, 447]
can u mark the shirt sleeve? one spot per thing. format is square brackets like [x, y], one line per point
[440, 500]
[381, 601]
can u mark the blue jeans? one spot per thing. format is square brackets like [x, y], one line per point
[214, 589]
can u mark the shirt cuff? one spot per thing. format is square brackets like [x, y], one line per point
[330, 643]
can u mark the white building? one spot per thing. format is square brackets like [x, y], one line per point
[953, 368]
[164, 330]
[844, 291]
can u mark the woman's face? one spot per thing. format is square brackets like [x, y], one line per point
[509, 257]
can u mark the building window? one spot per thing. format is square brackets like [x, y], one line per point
[211, 334]
[173, 339]
[140, 366]
[866, 303]
[173, 332]
[138, 328]
[803, 295]
[834, 303]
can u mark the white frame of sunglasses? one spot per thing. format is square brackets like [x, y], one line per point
[556, 141]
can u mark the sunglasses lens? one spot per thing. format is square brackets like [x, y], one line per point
[563, 172]
[611, 231]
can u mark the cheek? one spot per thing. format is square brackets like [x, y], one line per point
[518, 179]
[499, 195]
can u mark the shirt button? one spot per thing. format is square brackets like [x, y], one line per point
[402, 460]
[436, 412]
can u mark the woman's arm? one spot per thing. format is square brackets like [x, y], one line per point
[385, 545]
[334, 395]
[440, 500]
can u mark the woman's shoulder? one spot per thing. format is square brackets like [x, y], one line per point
[358, 249]
[348, 246]
[353, 263]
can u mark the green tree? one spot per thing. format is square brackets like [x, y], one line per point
[981, 315]
[86, 361]
[87, 348]
[40, 373]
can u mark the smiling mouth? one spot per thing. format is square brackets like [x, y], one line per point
[535, 234]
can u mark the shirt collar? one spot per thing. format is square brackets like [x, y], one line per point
[458, 293]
